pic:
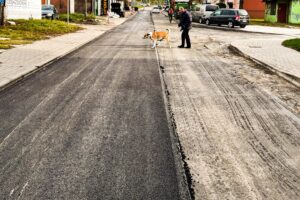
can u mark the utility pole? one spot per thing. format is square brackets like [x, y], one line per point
[85, 13]
[68, 11]
[2, 10]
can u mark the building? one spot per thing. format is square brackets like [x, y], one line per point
[255, 8]
[61, 5]
[283, 11]
[234, 3]
[23, 9]
[97, 7]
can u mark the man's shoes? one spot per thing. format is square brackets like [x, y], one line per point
[188, 47]
[180, 46]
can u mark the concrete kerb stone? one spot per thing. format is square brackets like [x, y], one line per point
[198, 25]
[290, 78]
[7, 82]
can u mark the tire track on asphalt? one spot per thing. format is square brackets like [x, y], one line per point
[250, 144]
[276, 165]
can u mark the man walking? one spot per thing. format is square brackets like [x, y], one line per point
[170, 13]
[186, 25]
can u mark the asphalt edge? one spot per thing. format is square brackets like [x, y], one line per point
[288, 77]
[47, 64]
[184, 178]
[186, 192]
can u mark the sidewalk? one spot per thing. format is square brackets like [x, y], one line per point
[24, 59]
[270, 53]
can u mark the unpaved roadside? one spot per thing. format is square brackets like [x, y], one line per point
[239, 126]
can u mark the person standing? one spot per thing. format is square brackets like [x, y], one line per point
[186, 25]
[170, 13]
[230, 3]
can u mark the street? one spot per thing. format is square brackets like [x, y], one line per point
[92, 125]
[103, 122]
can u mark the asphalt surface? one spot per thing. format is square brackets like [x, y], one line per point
[92, 125]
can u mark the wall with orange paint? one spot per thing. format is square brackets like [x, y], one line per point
[255, 8]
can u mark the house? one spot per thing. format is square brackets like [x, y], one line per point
[255, 8]
[230, 3]
[283, 11]
[61, 5]
[23, 9]
[97, 7]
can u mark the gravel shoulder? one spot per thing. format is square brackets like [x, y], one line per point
[238, 124]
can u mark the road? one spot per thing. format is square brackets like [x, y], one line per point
[92, 125]
[238, 123]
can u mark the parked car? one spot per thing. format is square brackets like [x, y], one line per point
[155, 10]
[49, 12]
[201, 12]
[230, 17]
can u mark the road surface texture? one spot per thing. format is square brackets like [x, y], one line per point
[92, 125]
[238, 124]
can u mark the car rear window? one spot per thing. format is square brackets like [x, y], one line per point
[231, 12]
[47, 7]
[228, 12]
[243, 12]
[212, 8]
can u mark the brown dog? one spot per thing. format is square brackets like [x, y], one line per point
[158, 36]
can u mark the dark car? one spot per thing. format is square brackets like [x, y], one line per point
[49, 12]
[230, 17]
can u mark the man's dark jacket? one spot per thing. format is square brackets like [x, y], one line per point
[185, 21]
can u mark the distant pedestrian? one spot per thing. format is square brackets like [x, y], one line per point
[170, 13]
[230, 3]
[186, 25]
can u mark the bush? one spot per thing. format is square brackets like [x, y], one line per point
[78, 18]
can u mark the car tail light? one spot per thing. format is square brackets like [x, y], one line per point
[237, 17]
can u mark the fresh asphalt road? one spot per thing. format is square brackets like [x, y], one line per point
[92, 125]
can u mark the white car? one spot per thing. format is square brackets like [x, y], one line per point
[201, 12]
[155, 10]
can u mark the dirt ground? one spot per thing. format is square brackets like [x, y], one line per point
[238, 123]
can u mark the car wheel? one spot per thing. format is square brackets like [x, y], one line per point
[207, 22]
[243, 26]
[200, 20]
[230, 24]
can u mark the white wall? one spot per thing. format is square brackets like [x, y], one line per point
[23, 9]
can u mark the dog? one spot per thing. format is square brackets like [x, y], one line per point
[156, 36]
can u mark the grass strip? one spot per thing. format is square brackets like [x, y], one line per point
[292, 43]
[26, 31]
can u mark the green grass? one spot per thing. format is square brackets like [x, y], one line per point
[78, 18]
[292, 43]
[27, 31]
[264, 23]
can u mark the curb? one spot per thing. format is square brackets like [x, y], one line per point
[288, 77]
[45, 65]
[198, 25]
